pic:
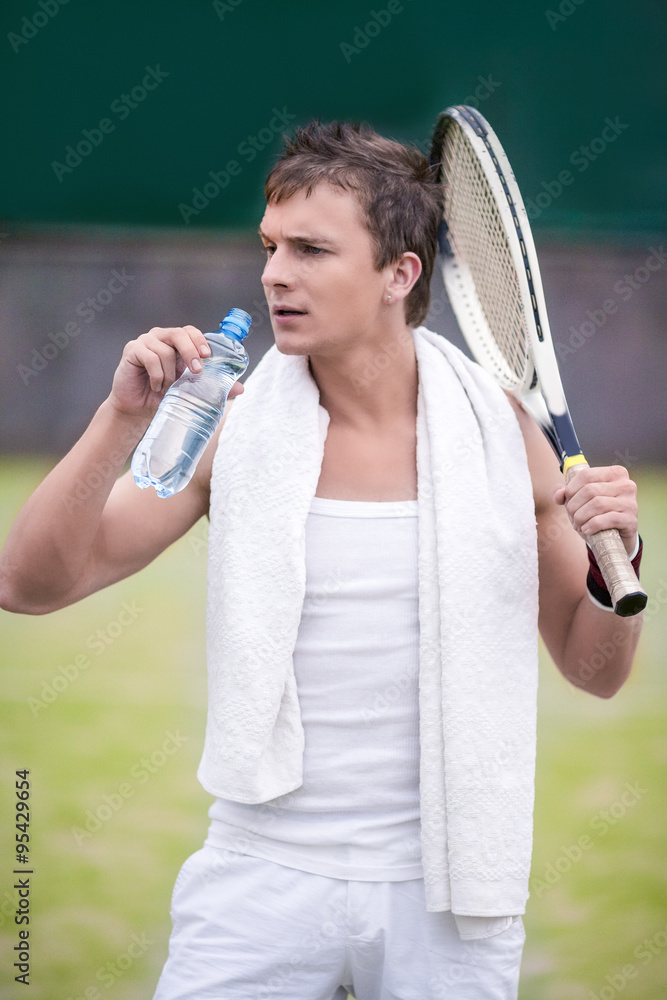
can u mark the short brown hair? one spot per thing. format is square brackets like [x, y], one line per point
[394, 184]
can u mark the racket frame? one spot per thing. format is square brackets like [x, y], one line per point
[540, 391]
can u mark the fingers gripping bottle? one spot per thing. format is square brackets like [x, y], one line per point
[167, 455]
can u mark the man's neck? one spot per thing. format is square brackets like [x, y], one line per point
[372, 386]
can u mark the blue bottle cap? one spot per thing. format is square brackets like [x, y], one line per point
[236, 324]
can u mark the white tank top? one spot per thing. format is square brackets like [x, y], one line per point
[356, 662]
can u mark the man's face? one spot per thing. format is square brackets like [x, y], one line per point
[324, 293]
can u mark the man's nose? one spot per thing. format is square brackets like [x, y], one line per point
[277, 270]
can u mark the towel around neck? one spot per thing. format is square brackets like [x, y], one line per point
[477, 614]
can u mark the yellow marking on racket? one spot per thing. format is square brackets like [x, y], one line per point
[573, 460]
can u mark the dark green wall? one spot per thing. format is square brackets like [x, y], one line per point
[555, 79]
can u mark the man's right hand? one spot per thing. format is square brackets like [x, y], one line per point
[152, 363]
[84, 528]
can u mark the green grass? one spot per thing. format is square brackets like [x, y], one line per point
[589, 922]
[89, 897]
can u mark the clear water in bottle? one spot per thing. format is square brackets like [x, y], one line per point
[167, 455]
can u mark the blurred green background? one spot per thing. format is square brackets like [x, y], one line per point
[548, 78]
[589, 914]
[552, 79]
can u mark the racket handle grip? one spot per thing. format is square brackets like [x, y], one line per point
[627, 594]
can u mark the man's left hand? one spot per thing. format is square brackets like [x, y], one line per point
[599, 498]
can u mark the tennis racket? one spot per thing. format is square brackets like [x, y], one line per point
[491, 274]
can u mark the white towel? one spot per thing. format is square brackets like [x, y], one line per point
[477, 614]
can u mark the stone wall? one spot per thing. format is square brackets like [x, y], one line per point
[70, 299]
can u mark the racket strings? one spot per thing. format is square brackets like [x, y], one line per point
[476, 229]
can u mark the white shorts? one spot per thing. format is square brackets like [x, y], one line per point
[249, 929]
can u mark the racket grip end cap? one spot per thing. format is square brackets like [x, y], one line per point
[631, 604]
[628, 597]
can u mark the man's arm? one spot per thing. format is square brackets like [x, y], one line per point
[592, 647]
[84, 528]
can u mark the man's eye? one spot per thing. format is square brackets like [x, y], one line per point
[268, 250]
[313, 251]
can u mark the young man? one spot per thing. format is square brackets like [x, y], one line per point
[310, 883]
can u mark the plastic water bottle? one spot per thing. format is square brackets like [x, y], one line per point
[167, 455]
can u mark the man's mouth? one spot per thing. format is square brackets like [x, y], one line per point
[287, 311]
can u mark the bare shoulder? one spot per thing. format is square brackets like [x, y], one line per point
[542, 463]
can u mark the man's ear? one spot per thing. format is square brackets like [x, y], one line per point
[403, 275]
